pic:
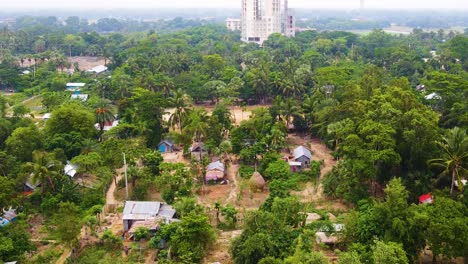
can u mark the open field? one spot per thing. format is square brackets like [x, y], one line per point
[84, 62]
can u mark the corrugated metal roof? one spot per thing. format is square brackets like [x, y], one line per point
[167, 211]
[98, 69]
[141, 210]
[82, 97]
[167, 142]
[76, 84]
[70, 169]
[302, 151]
[218, 165]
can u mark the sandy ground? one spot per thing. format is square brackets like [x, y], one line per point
[85, 63]
[238, 113]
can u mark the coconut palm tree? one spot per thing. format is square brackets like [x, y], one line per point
[88, 145]
[197, 125]
[180, 101]
[43, 169]
[103, 113]
[289, 108]
[454, 160]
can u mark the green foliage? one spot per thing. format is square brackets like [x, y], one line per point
[304, 256]
[389, 253]
[186, 205]
[448, 228]
[192, 238]
[152, 160]
[349, 258]
[23, 141]
[14, 241]
[67, 221]
[141, 233]
[277, 170]
[246, 171]
[111, 241]
[87, 163]
[175, 181]
[71, 118]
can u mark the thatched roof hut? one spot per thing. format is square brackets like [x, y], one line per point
[257, 183]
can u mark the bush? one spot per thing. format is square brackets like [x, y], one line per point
[141, 233]
[246, 171]
[140, 192]
[111, 241]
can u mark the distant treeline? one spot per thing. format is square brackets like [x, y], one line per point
[75, 25]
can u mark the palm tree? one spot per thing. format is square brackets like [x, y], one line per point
[180, 101]
[197, 125]
[454, 159]
[88, 145]
[289, 108]
[103, 113]
[43, 169]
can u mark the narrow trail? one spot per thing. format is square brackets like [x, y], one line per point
[110, 199]
[320, 152]
[233, 170]
[65, 255]
[9, 110]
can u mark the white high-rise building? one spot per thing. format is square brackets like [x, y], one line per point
[261, 18]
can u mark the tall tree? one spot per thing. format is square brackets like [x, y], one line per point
[454, 160]
[43, 169]
[180, 102]
[103, 112]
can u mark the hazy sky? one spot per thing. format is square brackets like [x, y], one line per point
[395, 4]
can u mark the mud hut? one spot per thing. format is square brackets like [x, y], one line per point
[257, 183]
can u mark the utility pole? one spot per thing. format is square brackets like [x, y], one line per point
[126, 180]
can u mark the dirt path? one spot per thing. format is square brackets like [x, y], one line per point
[110, 199]
[65, 255]
[9, 110]
[233, 171]
[220, 251]
[320, 152]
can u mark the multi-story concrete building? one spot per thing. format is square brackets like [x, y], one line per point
[233, 24]
[261, 18]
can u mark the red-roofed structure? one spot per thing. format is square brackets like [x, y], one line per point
[426, 199]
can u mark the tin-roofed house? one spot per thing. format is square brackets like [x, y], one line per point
[215, 172]
[98, 69]
[74, 87]
[81, 97]
[303, 155]
[198, 150]
[148, 213]
[166, 146]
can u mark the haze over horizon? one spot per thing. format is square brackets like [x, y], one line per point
[329, 4]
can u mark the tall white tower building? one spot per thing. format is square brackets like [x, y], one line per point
[261, 18]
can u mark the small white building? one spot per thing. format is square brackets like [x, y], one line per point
[303, 155]
[73, 87]
[46, 116]
[70, 169]
[98, 69]
[82, 97]
[433, 96]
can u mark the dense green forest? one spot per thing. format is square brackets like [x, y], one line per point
[364, 96]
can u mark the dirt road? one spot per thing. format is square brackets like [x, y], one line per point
[233, 170]
[110, 199]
